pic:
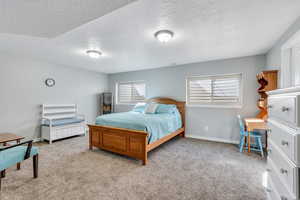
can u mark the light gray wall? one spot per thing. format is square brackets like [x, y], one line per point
[274, 55]
[22, 91]
[212, 123]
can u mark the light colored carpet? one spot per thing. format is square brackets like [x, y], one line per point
[181, 169]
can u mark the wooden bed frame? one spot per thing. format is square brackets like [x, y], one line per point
[129, 142]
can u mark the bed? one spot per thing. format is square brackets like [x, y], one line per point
[136, 136]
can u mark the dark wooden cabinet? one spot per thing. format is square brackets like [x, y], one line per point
[106, 103]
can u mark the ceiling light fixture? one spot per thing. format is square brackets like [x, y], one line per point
[94, 53]
[164, 35]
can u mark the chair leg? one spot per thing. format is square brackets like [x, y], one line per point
[260, 147]
[242, 143]
[35, 165]
[257, 143]
[2, 175]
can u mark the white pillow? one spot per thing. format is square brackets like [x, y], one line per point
[151, 108]
[139, 105]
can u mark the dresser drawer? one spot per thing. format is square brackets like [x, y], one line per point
[276, 186]
[283, 137]
[284, 169]
[284, 108]
[276, 191]
[271, 191]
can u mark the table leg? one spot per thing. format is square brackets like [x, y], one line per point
[245, 143]
[2, 174]
[249, 141]
[18, 164]
[267, 141]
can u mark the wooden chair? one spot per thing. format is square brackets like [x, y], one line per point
[244, 134]
[11, 155]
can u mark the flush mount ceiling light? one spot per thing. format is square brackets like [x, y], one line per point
[164, 35]
[94, 53]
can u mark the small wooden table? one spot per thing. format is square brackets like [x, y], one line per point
[254, 124]
[10, 137]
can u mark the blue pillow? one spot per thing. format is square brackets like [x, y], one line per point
[166, 108]
[139, 107]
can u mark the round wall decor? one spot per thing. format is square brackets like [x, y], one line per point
[50, 82]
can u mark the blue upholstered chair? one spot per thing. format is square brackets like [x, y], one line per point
[11, 155]
[244, 134]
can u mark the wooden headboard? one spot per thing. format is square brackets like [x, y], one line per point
[180, 105]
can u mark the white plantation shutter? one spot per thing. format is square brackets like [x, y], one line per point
[226, 89]
[214, 90]
[200, 90]
[131, 92]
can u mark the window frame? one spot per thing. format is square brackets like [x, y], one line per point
[211, 104]
[289, 74]
[128, 82]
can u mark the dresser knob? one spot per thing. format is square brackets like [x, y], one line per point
[268, 170]
[283, 171]
[284, 109]
[268, 190]
[284, 143]
[283, 198]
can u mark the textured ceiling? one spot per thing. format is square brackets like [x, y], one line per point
[50, 18]
[204, 30]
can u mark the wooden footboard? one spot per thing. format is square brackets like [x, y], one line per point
[129, 142]
[123, 141]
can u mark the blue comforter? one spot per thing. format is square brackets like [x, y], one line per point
[156, 125]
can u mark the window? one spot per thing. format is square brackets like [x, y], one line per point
[131, 92]
[221, 90]
[296, 64]
[290, 75]
[290, 60]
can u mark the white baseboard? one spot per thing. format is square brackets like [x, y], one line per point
[213, 139]
[37, 140]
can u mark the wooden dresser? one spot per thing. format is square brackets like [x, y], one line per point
[283, 161]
